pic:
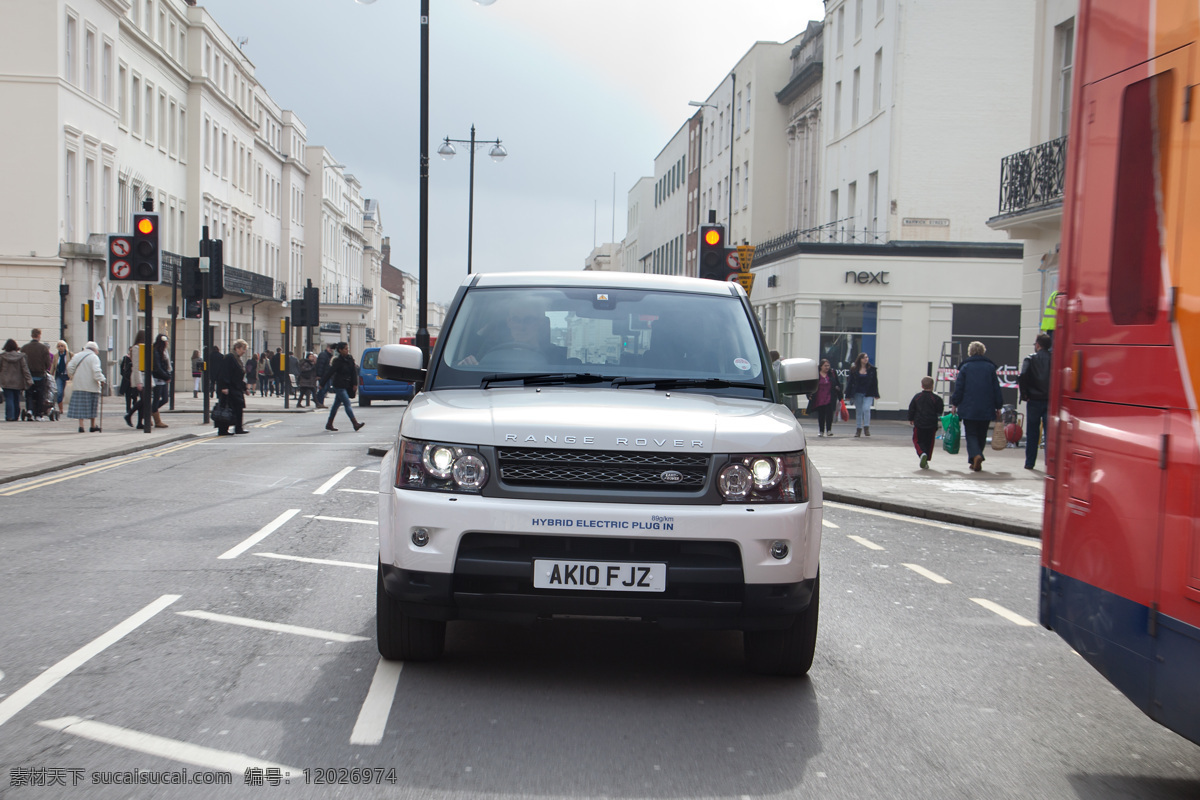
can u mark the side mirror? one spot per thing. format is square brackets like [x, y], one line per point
[401, 362]
[797, 376]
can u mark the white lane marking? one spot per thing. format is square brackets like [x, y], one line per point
[165, 748]
[278, 627]
[329, 484]
[933, 576]
[828, 524]
[370, 470]
[946, 526]
[263, 533]
[343, 519]
[1011, 616]
[42, 683]
[372, 718]
[864, 542]
[360, 491]
[371, 567]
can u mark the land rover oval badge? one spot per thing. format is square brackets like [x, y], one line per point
[671, 476]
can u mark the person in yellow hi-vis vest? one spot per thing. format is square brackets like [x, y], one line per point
[1050, 314]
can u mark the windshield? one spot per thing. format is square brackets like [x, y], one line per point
[649, 339]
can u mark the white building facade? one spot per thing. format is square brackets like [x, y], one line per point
[114, 101]
[919, 100]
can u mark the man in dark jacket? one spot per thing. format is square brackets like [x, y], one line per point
[977, 400]
[1034, 383]
[40, 360]
[323, 374]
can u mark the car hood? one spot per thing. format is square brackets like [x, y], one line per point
[602, 419]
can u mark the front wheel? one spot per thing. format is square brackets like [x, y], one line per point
[789, 651]
[401, 637]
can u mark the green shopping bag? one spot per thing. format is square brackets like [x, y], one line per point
[953, 433]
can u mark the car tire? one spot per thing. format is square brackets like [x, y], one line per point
[401, 637]
[789, 651]
[362, 401]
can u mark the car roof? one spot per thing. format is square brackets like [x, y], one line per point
[604, 280]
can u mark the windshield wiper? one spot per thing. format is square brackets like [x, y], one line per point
[541, 378]
[676, 383]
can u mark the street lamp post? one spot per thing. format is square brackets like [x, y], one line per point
[497, 154]
[423, 236]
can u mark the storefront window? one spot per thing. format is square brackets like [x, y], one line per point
[847, 329]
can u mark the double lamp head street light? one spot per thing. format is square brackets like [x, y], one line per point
[497, 154]
[423, 237]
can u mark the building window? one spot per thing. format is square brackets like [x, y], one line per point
[879, 4]
[172, 137]
[89, 62]
[747, 106]
[149, 132]
[69, 197]
[837, 109]
[847, 329]
[745, 184]
[851, 203]
[89, 185]
[841, 25]
[833, 206]
[163, 130]
[873, 201]
[858, 16]
[121, 106]
[877, 91]
[70, 49]
[135, 111]
[105, 195]
[737, 186]
[1064, 46]
[854, 98]
[106, 74]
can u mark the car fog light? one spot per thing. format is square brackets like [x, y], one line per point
[420, 537]
[779, 549]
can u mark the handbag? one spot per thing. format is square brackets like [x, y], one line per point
[999, 440]
[952, 436]
[222, 415]
[842, 411]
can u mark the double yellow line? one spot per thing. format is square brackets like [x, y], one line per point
[38, 483]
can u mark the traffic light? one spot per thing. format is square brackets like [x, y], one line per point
[312, 301]
[191, 280]
[712, 253]
[146, 256]
[192, 309]
[299, 314]
[216, 269]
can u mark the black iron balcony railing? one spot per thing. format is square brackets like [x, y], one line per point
[349, 297]
[842, 231]
[1033, 177]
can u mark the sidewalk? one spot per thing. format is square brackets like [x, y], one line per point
[878, 472]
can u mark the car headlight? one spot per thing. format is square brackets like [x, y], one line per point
[439, 467]
[765, 478]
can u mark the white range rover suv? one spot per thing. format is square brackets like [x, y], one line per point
[600, 445]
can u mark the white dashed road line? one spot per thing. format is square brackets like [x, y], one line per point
[359, 491]
[1011, 616]
[42, 683]
[946, 526]
[933, 576]
[277, 627]
[371, 567]
[864, 542]
[372, 718]
[828, 524]
[263, 533]
[342, 519]
[172, 749]
[329, 484]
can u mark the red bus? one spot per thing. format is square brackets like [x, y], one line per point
[1120, 576]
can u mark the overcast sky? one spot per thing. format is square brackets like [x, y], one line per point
[578, 90]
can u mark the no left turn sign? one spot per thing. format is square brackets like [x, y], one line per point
[120, 247]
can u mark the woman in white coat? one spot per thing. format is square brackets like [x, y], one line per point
[84, 370]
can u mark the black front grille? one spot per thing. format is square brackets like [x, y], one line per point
[602, 469]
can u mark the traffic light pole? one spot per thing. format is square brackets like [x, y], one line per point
[147, 398]
[174, 320]
[205, 343]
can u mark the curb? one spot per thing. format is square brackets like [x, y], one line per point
[987, 523]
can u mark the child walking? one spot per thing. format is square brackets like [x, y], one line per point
[923, 413]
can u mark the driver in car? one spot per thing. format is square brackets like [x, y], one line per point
[528, 329]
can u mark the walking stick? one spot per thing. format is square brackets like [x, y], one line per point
[100, 427]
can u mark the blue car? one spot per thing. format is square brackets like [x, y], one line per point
[372, 387]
